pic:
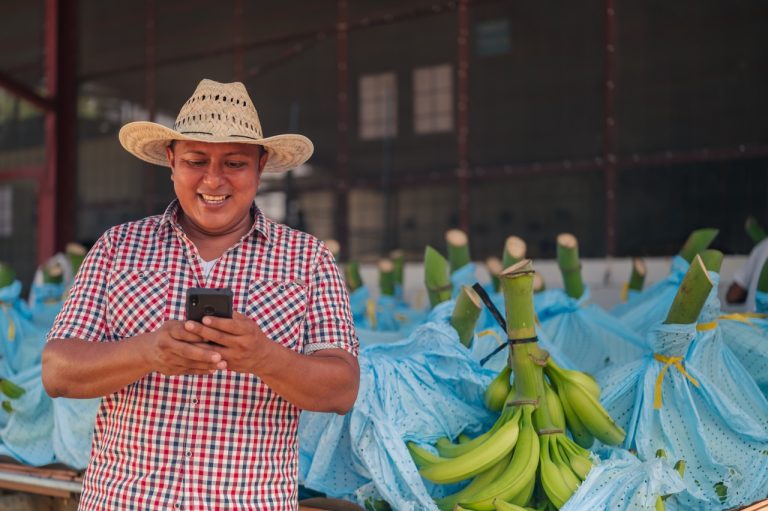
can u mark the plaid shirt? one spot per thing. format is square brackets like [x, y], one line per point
[220, 441]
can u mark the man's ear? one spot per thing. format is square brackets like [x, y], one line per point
[171, 158]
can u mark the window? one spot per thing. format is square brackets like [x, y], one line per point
[492, 38]
[378, 106]
[6, 211]
[433, 99]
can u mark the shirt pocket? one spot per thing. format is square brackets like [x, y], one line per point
[137, 301]
[279, 308]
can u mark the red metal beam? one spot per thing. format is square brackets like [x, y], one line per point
[57, 186]
[462, 104]
[609, 128]
[21, 173]
[24, 92]
[341, 218]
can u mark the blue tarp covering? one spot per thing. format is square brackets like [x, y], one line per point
[587, 335]
[422, 388]
[644, 310]
[719, 426]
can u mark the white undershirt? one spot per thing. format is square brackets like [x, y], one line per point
[207, 265]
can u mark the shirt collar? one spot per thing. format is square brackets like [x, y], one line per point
[261, 223]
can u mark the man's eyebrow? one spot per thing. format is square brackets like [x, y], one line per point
[203, 153]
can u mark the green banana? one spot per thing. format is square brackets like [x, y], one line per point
[580, 434]
[448, 449]
[555, 487]
[555, 407]
[570, 478]
[10, 389]
[463, 438]
[577, 457]
[516, 482]
[421, 456]
[448, 502]
[484, 456]
[580, 378]
[497, 390]
[500, 505]
[592, 414]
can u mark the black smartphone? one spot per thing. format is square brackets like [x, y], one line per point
[206, 301]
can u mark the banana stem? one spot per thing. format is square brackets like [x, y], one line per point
[691, 296]
[526, 359]
[637, 278]
[398, 260]
[465, 313]
[570, 266]
[494, 268]
[712, 259]
[386, 277]
[762, 281]
[697, 241]
[436, 276]
[7, 275]
[514, 251]
[754, 230]
[352, 275]
[458, 248]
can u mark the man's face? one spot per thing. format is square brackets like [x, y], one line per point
[216, 183]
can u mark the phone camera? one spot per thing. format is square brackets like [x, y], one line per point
[209, 310]
[194, 301]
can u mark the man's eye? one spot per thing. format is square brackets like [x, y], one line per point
[196, 163]
[236, 164]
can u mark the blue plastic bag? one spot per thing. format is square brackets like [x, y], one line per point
[421, 388]
[718, 425]
[587, 335]
[21, 340]
[621, 482]
[644, 310]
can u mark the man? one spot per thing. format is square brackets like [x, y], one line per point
[186, 423]
[744, 285]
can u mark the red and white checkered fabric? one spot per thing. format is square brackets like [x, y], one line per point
[220, 441]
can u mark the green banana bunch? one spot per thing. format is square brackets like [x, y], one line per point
[583, 411]
[516, 483]
[10, 389]
[557, 488]
[497, 391]
[479, 459]
[586, 380]
[449, 502]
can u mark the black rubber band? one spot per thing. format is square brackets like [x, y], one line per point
[526, 340]
[489, 304]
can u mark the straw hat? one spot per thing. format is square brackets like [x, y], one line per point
[218, 113]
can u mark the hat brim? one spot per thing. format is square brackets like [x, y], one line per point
[148, 141]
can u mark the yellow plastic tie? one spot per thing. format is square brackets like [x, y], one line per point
[370, 309]
[491, 332]
[744, 317]
[668, 362]
[624, 294]
[11, 324]
[703, 327]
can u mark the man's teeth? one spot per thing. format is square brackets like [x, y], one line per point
[213, 198]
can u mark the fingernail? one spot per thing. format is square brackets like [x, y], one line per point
[222, 365]
[189, 325]
[206, 320]
[215, 357]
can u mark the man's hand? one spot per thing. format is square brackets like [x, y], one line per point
[174, 350]
[238, 340]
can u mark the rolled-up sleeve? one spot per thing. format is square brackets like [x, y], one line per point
[83, 315]
[329, 320]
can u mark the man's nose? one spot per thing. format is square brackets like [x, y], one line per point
[214, 173]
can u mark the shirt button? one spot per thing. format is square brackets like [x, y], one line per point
[194, 400]
[177, 506]
[188, 454]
